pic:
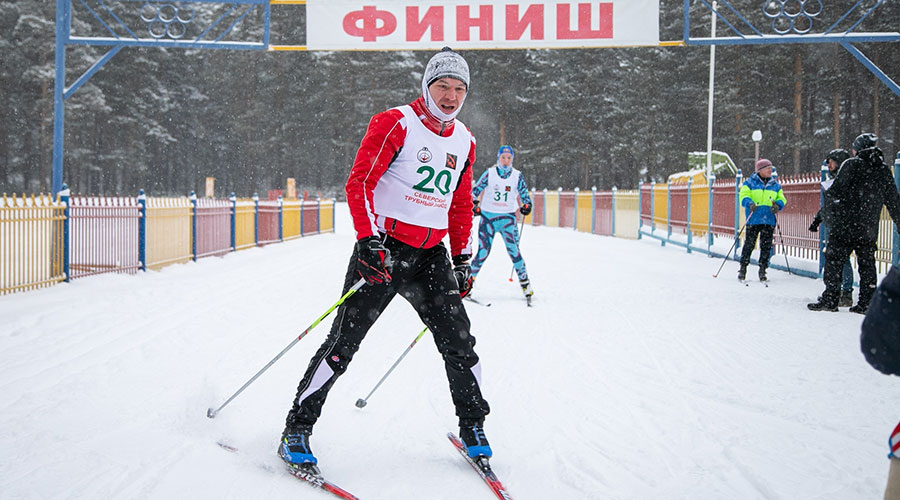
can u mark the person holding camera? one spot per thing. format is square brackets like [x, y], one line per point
[833, 162]
[502, 186]
[862, 186]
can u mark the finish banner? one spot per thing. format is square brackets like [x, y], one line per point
[485, 24]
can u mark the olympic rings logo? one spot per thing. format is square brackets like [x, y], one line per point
[166, 19]
[792, 15]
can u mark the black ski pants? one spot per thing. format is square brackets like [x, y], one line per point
[424, 277]
[836, 253]
[765, 233]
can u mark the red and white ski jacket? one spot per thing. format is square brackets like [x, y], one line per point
[385, 137]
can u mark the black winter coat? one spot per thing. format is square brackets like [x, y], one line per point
[880, 339]
[863, 184]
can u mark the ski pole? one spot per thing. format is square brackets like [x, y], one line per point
[212, 413]
[362, 402]
[783, 247]
[736, 239]
[518, 239]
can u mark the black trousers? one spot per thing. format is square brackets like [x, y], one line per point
[836, 253]
[765, 233]
[424, 277]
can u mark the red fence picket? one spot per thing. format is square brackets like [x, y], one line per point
[267, 225]
[537, 213]
[567, 209]
[213, 227]
[603, 214]
[103, 235]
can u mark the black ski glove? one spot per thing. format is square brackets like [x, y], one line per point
[463, 274]
[814, 227]
[476, 210]
[752, 207]
[373, 260]
[775, 208]
[525, 209]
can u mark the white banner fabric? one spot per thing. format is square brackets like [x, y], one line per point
[485, 24]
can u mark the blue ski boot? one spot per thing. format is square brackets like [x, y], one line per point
[294, 449]
[476, 442]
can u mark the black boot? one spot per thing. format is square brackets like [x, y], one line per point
[822, 305]
[762, 274]
[742, 273]
[846, 299]
[859, 308]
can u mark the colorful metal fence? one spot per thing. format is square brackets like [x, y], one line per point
[104, 235]
[31, 242]
[695, 216]
[43, 242]
[168, 233]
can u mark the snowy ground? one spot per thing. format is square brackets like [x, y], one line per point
[635, 376]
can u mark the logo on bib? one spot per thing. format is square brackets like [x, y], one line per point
[451, 161]
[508, 188]
[424, 155]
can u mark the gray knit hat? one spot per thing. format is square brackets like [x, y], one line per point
[446, 63]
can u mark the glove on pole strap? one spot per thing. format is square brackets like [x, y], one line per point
[373, 261]
[463, 274]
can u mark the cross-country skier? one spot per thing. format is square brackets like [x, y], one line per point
[502, 186]
[410, 185]
[762, 197]
[833, 162]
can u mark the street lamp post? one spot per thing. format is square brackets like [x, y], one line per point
[756, 136]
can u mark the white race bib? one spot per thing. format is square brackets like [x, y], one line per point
[418, 186]
[501, 194]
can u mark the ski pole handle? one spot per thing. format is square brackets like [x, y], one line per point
[212, 413]
[362, 402]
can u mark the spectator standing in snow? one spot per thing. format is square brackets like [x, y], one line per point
[409, 187]
[880, 344]
[833, 162]
[502, 186]
[762, 198]
[862, 186]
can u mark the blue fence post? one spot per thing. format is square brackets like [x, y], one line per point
[823, 230]
[640, 208]
[280, 218]
[593, 208]
[709, 220]
[142, 230]
[575, 216]
[737, 213]
[64, 198]
[668, 211]
[319, 216]
[233, 200]
[194, 226]
[613, 221]
[255, 219]
[690, 234]
[896, 258]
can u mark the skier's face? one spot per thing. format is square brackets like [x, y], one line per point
[448, 93]
[505, 159]
[765, 173]
[833, 166]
